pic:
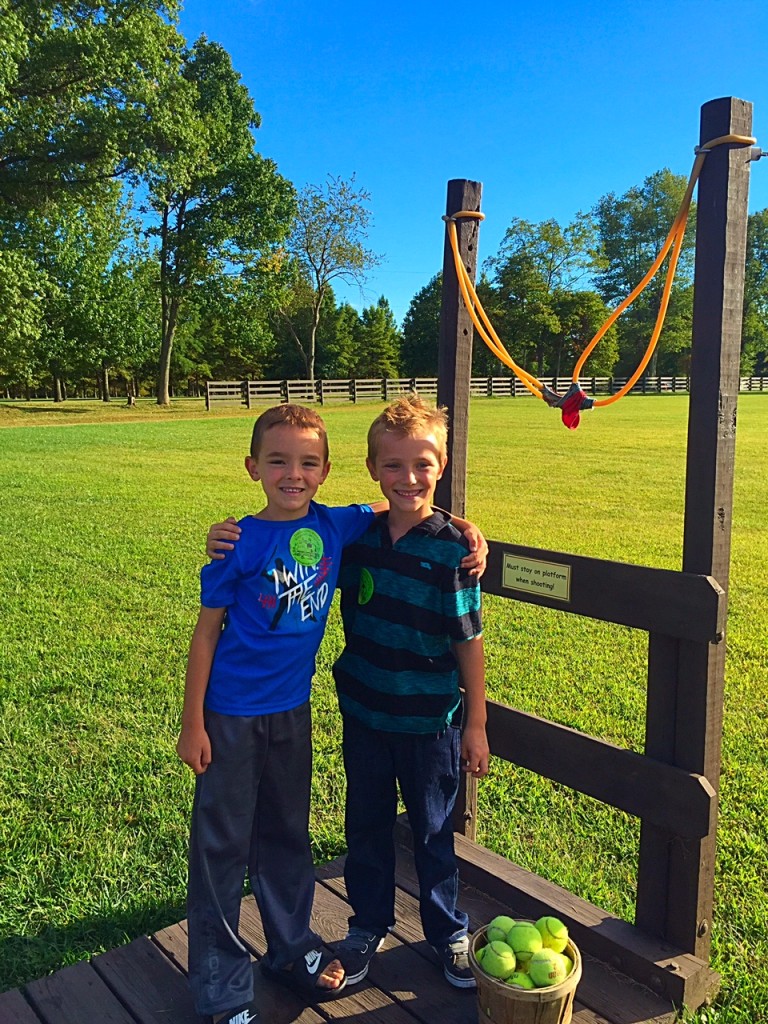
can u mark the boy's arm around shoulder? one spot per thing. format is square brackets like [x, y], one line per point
[474, 742]
[475, 562]
[221, 538]
[194, 746]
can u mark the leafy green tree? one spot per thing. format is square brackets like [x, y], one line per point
[580, 314]
[76, 251]
[632, 229]
[84, 90]
[219, 204]
[421, 331]
[534, 262]
[485, 363]
[125, 319]
[225, 333]
[337, 341]
[754, 358]
[326, 244]
[378, 342]
[292, 317]
[21, 319]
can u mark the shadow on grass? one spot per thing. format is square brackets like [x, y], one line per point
[25, 958]
[27, 410]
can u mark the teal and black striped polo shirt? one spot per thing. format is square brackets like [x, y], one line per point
[403, 606]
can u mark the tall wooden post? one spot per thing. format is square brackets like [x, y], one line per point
[454, 368]
[685, 683]
[454, 361]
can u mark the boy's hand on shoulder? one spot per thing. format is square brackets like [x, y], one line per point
[474, 751]
[194, 748]
[477, 558]
[221, 537]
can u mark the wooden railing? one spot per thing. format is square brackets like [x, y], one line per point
[381, 389]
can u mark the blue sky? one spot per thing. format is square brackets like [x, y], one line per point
[551, 105]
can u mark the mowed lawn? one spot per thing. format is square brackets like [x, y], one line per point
[104, 514]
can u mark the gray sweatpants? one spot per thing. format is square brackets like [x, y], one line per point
[250, 815]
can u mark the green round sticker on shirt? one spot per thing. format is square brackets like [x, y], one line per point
[366, 587]
[306, 546]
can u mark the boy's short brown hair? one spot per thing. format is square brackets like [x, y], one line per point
[289, 415]
[408, 416]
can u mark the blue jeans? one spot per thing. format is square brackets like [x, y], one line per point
[427, 769]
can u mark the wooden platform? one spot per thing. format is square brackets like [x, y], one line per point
[145, 981]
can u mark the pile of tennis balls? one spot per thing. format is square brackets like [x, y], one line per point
[526, 954]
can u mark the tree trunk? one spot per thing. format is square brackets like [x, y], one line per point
[57, 390]
[319, 296]
[105, 395]
[299, 346]
[170, 315]
[169, 292]
[312, 347]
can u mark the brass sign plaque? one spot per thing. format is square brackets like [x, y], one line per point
[532, 576]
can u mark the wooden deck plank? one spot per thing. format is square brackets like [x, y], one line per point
[74, 995]
[363, 1003]
[604, 991]
[173, 942]
[408, 928]
[144, 982]
[277, 1005]
[148, 982]
[14, 1009]
[409, 974]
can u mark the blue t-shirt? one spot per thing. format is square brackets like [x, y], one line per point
[277, 586]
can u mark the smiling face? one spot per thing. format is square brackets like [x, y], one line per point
[407, 468]
[290, 466]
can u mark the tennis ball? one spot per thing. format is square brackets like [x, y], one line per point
[547, 968]
[480, 953]
[568, 964]
[554, 934]
[499, 960]
[498, 928]
[525, 940]
[520, 980]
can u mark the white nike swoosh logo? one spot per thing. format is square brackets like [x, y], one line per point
[312, 961]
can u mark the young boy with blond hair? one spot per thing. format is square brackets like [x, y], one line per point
[413, 632]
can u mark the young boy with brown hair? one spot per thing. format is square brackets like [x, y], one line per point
[246, 723]
[412, 630]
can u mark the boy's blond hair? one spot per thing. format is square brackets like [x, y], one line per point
[410, 416]
[289, 415]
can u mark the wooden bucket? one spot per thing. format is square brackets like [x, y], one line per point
[499, 1003]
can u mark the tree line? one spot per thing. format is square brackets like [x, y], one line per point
[148, 245]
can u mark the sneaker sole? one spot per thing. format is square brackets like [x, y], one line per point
[352, 979]
[459, 982]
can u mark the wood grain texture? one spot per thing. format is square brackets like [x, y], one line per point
[74, 995]
[656, 600]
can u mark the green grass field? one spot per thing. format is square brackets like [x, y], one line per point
[104, 513]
